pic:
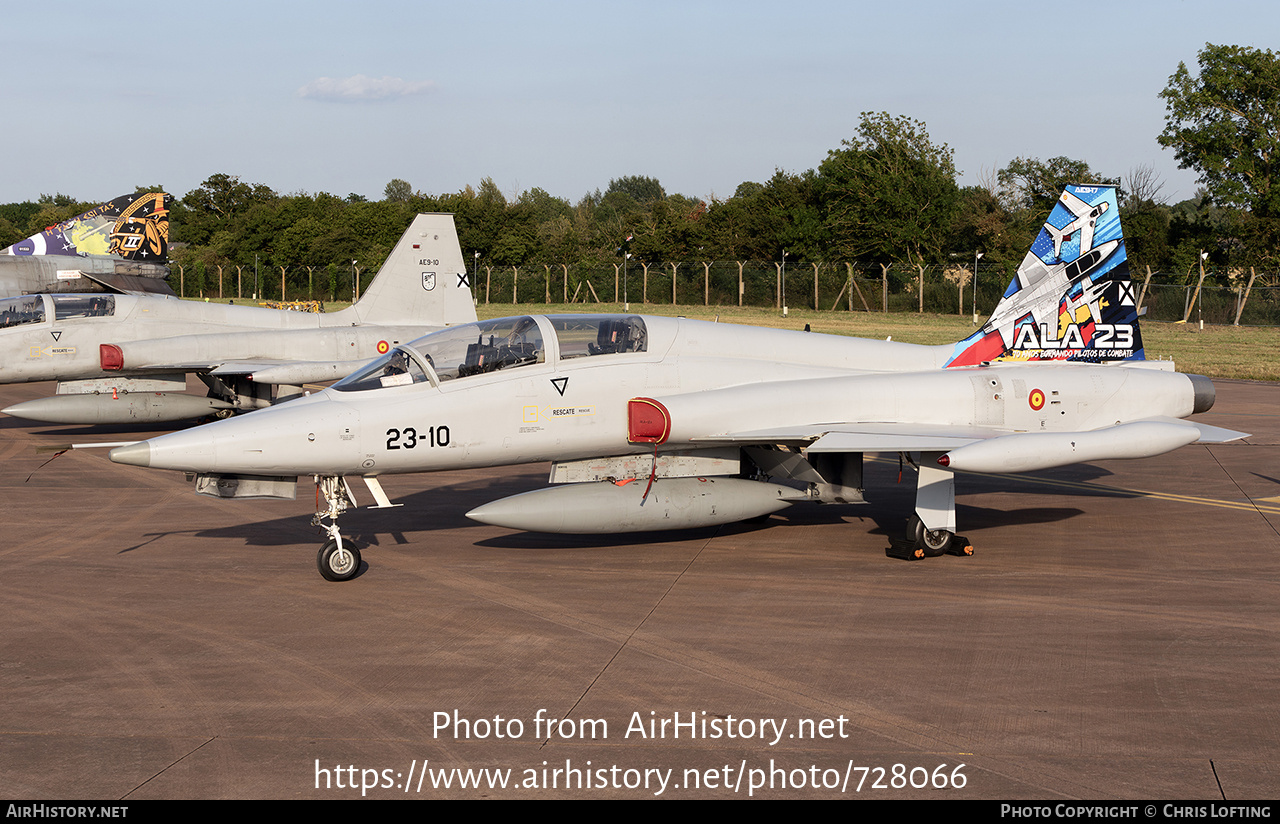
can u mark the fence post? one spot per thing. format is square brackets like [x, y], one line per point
[1142, 297]
[1196, 295]
[706, 283]
[674, 267]
[1247, 289]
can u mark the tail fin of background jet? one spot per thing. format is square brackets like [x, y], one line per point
[423, 282]
[132, 227]
[1071, 298]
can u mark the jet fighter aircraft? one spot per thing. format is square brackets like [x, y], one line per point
[659, 423]
[124, 358]
[121, 246]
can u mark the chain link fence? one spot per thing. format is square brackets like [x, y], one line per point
[936, 289]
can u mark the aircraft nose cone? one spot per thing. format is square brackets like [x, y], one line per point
[135, 454]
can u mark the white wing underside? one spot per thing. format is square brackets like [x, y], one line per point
[906, 437]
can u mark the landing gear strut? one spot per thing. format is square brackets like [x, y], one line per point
[931, 529]
[338, 560]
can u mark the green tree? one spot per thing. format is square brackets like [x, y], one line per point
[890, 193]
[1031, 185]
[397, 191]
[983, 224]
[1225, 124]
[641, 189]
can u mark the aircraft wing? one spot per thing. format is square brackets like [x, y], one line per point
[261, 370]
[866, 437]
[129, 284]
[1002, 450]
[266, 370]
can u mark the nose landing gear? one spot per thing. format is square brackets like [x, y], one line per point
[338, 560]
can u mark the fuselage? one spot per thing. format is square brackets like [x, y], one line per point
[557, 399]
[59, 337]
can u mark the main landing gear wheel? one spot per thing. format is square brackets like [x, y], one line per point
[338, 563]
[932, 542]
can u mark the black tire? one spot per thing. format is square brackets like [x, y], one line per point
[933, 542]
[335, 565]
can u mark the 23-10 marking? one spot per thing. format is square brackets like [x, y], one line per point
[409, 437]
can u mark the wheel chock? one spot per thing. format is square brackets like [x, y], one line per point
[904, 549]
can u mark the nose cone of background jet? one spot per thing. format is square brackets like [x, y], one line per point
[135, 454]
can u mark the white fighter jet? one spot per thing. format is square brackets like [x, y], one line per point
[661, 423]
[125, 358]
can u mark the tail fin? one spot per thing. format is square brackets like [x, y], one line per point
[132, 227]
[1071, 298]
[424, 280]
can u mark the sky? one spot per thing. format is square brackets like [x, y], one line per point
[342, 97]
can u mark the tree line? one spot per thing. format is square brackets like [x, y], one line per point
[887, 197]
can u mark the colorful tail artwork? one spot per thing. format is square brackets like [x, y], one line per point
[1071, 298]
[133, 227]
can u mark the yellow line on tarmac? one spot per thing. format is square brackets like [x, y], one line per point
[1263, 505]
[1267, 506]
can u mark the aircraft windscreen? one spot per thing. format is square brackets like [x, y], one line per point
[580, 336]
[83, 306]
[477, 348]
[396, 368]
[456, 352]
[18, 311]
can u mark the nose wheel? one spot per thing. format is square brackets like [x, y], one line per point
[338, 559]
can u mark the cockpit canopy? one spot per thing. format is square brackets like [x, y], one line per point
[31, 308]
[22, 310]
[83, 306]
[491, 345]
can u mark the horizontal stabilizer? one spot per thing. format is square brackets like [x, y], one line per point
[1208, 434]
